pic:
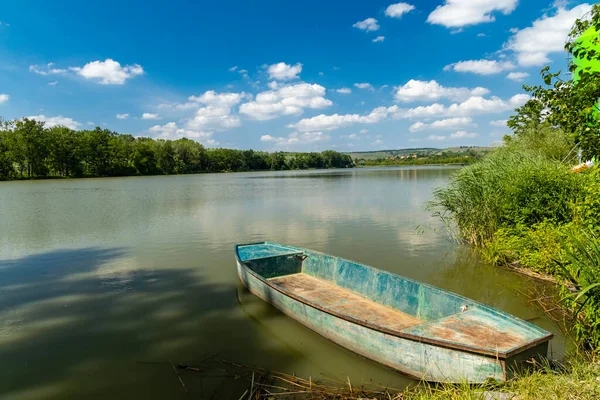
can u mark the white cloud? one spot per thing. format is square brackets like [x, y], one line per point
[150, 116]
[365, 85]
[54, 83]
[517, 76]
[56, 121]
[108, 72]
[449, 123]
[500, 122]
[286, 100]
[344, 90]
[324, 122]
[296, 138]
[4, 98]
[90, 123]
[547, 35]
[232, 69]
[378, 39]
[46, 69]
[122, 116]
[463, 135]
[481, 67]
[460, 13]
[171, 131]
[415, 90]
[475, 105]
[398, 10]
[363, 131]
[377, 142]
[353, 136]
[212, 98]
[436, 138]
[368, 25]
[282, 71]
[213, 110]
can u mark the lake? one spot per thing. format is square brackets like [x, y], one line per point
[99, 275]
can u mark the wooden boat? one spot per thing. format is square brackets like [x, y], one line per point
[418, 329]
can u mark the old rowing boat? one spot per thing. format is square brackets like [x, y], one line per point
[418, 329]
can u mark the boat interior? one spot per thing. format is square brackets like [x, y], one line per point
[381, 299]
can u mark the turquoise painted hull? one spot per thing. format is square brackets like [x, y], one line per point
[414, 350]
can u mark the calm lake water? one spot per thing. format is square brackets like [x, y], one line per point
[99, 274]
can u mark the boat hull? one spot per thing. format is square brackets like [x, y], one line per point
[412, 357]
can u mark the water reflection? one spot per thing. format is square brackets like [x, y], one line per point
[101, 273]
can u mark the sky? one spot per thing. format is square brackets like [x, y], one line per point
[281, 75]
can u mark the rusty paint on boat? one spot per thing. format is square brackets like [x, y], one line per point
[413, 327]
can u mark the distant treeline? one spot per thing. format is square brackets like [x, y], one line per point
[467, 157]
[30, 150]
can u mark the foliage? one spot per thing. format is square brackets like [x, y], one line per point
[29, 150]
[587, 209]
[536, 248]
[582, 270]
[508, 188]
[570, 104]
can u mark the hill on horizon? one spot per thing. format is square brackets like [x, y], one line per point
[421, 151]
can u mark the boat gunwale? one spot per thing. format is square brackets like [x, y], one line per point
[405, 335]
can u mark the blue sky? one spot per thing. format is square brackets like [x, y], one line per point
[279, 75]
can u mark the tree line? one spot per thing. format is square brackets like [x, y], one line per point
[30, 150]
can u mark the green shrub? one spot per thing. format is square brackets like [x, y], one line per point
[587, 209]
[506, 189]
[536, 248]
[582, 270]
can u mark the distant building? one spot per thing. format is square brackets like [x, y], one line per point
[413, 156]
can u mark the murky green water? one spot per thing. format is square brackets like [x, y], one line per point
[98, 274]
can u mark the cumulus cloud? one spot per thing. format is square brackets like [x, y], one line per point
[461, 13]
[368, 25]
[365, 85]
[122, 116]
[344, 90]
[378, 39]
[449, 123]
[47, 69]
[213, 110]
[415, 90]
[517, 76]
[500, 122]
[296, 138]
[463, 135]
[547, 35]
[475, 105]
[108, 72]
[480, 67]
[324, 122]
[398, 10]
[56, 121]
[282, 71]
[54, 83]
[436, 138]
[150, 116]
[232, 69]
[286, 100]
[4, 98]
[171, 131]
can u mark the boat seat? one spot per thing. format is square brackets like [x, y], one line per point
[343, 301]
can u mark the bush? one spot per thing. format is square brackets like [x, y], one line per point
[582, 270]
[536, 248]
[506, 189]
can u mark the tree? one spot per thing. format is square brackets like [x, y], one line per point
[65, 151]
[570, 104]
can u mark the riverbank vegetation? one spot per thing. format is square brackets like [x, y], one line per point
[427, 156]
[29, 150]
[525, 207]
